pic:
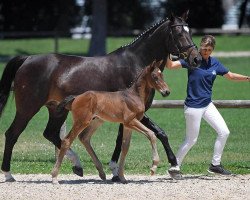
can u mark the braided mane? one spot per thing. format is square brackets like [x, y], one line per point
[146, 32]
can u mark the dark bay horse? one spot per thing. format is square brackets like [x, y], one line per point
[40, 80]
[126, 107]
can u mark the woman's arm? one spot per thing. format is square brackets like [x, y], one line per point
[236, 77]
[173, 64]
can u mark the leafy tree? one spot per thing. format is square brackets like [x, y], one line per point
[38, 15]
[203, 14]
[124, 15]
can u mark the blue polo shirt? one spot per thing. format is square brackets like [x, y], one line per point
[200, 82]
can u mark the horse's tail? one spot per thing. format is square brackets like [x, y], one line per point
[7, 78]
[64, 104]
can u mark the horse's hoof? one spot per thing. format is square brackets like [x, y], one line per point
[124, 181]
[116, 179]
[10, 180]
[78, 171]
[175, 174]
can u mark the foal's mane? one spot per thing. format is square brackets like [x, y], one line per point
[146, 32]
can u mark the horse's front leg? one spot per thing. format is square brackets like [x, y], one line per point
[85, 137]
[138, 126]
[124, 150]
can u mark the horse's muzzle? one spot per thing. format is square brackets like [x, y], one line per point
[165, 93]
[195, 61]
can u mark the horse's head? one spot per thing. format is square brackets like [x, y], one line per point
[156, 80]
[182, 43]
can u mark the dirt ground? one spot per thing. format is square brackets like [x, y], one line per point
[139, 187]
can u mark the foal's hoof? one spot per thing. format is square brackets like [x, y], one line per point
[10, 180]
[116, 179]
[102, 176]
[55, 181]
[153, 170]
[78, 171]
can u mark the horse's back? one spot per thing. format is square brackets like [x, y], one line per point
[52, 77]
[35, 78]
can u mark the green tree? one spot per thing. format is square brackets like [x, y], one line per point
[203, 14]
[38, 15]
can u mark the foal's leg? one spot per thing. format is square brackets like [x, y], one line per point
[174, 170]
[138, 126]
[124, 150]
[160, 134]
[77, 128]
[85, 137]
[52, 133]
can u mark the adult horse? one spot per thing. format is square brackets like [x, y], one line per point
[42, 79]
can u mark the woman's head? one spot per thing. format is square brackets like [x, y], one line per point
[208, 40]
[207, 46]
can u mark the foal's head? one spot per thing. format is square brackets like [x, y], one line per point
[155, 78]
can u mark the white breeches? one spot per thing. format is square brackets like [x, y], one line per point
[193, 120]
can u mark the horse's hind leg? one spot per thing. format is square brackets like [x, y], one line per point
[85, 137]
[52, 133]
[11, 136]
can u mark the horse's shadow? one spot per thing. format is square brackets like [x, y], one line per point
[93, 181]
[96, 181]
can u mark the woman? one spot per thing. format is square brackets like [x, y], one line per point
[198, 103]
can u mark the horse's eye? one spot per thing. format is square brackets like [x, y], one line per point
[155, 77]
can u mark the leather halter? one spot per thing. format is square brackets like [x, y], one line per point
[182, 51]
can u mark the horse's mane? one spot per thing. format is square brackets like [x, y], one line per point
[146, 32]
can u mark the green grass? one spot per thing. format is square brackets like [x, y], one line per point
[34, 154]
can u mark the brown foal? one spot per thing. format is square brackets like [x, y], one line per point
[126, 107]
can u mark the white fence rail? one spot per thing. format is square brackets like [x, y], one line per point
[217, 103]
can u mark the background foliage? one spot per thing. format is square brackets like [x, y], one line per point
[50, 15]
[39, 15]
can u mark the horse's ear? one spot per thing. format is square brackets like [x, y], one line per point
[159, 63]
[171, 17]
[152, 66]
[184, 16]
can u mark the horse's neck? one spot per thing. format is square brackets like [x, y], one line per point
[141, 89]
[150, 47]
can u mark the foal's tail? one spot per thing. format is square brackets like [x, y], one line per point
[64, 104]
[7, 78]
